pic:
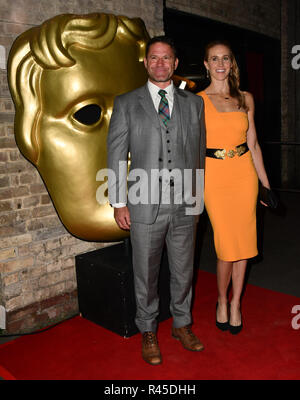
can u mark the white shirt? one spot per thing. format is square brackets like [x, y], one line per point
[153, 89]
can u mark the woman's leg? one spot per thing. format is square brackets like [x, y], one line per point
[224, 273]
[238, 277]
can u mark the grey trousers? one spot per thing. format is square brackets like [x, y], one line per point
[177, 230]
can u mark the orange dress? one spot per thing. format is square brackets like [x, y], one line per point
[231, 185]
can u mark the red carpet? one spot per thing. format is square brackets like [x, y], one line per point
[267, 348]
[6, 375]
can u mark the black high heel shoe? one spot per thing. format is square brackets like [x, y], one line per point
[234, 330]
[223, 326]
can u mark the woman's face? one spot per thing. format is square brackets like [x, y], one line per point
[219, 62]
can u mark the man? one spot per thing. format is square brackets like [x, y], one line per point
[163, 129]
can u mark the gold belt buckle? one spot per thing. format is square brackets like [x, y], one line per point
[220, 154]
[240, 150]
[231, 153]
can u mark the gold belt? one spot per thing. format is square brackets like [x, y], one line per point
[222, 153]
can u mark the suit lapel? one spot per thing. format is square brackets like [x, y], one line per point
[148, 106]
[183, 105]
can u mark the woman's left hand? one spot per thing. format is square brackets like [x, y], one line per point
[264, 204]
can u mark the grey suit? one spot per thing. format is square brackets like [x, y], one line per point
[135, 127]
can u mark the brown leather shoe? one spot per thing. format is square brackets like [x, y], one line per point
[187, 338]
[150, 349]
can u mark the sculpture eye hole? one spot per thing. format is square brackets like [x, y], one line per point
[88, 115]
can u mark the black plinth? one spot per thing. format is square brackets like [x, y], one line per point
[106, 291]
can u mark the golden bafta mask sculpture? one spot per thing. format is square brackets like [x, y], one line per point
[63, 76]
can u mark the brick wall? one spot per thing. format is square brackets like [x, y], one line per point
[259, 16]
[37, 254]
[290, 90]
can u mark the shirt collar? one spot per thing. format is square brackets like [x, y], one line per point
[154, 88]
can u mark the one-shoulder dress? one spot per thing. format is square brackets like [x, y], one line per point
[231, 185]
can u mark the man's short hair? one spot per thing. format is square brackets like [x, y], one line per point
[161, 39]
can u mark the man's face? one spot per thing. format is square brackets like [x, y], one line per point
[77, 104]
[160, 62]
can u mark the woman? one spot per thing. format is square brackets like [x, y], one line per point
[234, 164]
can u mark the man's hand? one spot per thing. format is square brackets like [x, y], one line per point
[122, 217]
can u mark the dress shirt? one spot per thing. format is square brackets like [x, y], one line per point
[153, 89]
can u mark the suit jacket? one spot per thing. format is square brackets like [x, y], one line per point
[135, 128]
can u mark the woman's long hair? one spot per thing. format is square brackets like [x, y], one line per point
[234, 76]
